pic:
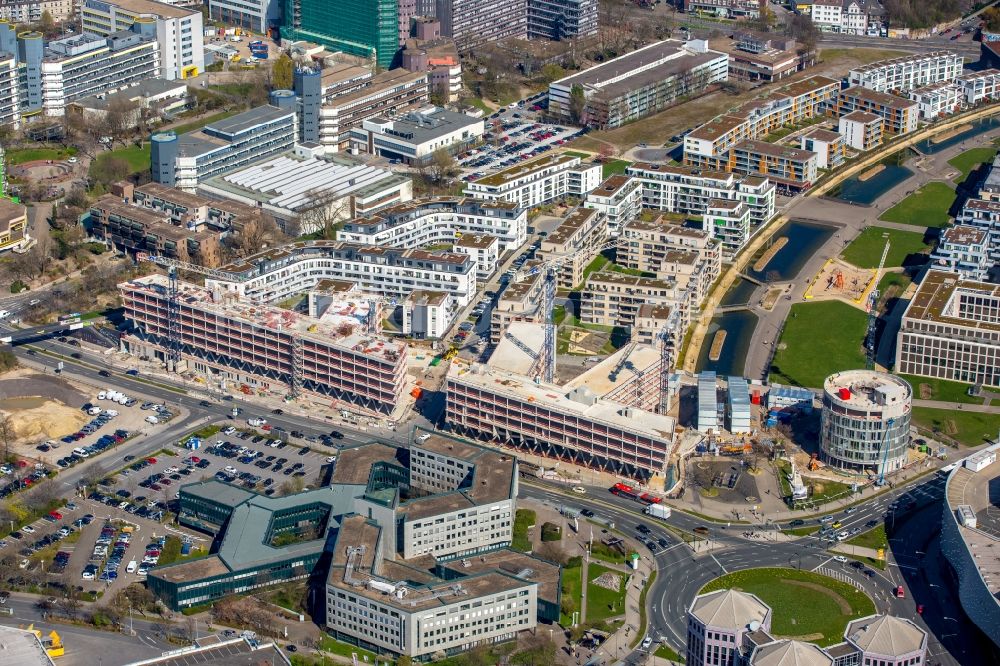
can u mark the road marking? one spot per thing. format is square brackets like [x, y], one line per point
[822, 564]
[718, 562]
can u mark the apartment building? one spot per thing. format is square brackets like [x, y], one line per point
[518, 302]
[619, 198]
[692, 257]
[539, 181]
[639, 83]
[226, 145]
[861, 130]
[979, 87]
[570, 422]
[427, 315]
[708, 145]
[964, 250]
[561, 19]
[729, 222]
[392, 93]
[900, 115]
[690, 190]
[613, 299]
[951, 330]
[260, 345]
[850, 17]
[938, 99]
[439, 58]
[472, 23]
[10, 106]
[365, 28]
[574, 244]
[188, 210]
[75, 67]
[30, 11]
[828, 146]
[982, 212]
[724, 8]
[440, 220]
[791, 169]
[485, 249]
[415, 137]
[901, 75]
[179, 30]
[13, 223]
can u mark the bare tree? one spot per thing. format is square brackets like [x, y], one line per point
[7, 433]
[254, 235]
[325, 217]
[442, 165]
[120, 120]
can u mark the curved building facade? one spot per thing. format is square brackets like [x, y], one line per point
[864, 413]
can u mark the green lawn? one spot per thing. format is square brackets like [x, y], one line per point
[866, 250]
[900, 280]
[970, 160]
[840, 327]
[479, 104]
[874, 538]
[599, 551]
[599, 263]
[137, 158]
[575, 153]
[603, 603]
[969, 428]
[611, 167]
[941, 389]
[329, 644]
[572, 589]
[198, 124]
[32, 154]
[523, 519]
[803, 603]
[668, 653]
[927, 207]
[802, 531]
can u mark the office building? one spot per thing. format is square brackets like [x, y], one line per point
[950, 330]
[610, 298]
[708, 402]
[900, 115]
[764, 58]
[791, 169]
[484, 249]
[415, 137]
[708, 146]
[596, 420]
[828, 146]
[967, 501]
[146, 98]
[964, 250]
[226, 145]
[259, 345]
[440, 220]
[179, 30]
[366, 28]
[472, 23]
[692, 257]
[561, 19]
[861, 130]
[253, 16]
[979, 87]
[638, 84]
[427, 315]
[718, 621]
[10, 105]
[619, 198]
[538, 181]
[577, 242]
[392, 93]
[866, 421]
[938, 99]
[308, 191]
[435, 55]
[901, 75]
[13, 223]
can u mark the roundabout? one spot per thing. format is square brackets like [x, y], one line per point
[805, 605]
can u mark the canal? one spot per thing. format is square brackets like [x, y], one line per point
[739, 326]
[930, 146]
[804, 238]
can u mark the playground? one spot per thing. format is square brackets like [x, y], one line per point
[840, 280]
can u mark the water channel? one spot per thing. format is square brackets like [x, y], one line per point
[929, 146]
[868, 190]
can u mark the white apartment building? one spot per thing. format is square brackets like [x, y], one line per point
[485, 249]
[828, 146]
[428, 314]
[519, 301]
[851, 17]
[393, 272]
[619, 198]
[861, 130]
[575, 243]
[30, 11]
[728, 221]
[179, 31]
[415, 137]
[9, 100]
[440, 220]
[692, 257]
[980, 87]
[538, 181]
[613, 299]
[938, 99]
[901, 75]
[964, 250]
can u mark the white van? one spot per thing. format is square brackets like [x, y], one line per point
[103, 395]
[132, 566]
[94, 411]
[81, 452]
[122, 399]
[112, 395]
[111, 412]
[4, 314]
[152, 419]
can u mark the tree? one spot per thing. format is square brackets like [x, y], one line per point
[120, 120]
[991, 19]
[442, 165]
[254, 235]
[804, 31]
[325, 216]
[7, 434]
[94, 474]
[46, 24]
[108, 169]
[293, 485]
[282, 72]
[439, 94]
[577, 104]
[552, 72]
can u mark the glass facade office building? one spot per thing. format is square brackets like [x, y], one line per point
[367, 28]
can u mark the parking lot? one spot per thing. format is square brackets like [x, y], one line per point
[509, 140]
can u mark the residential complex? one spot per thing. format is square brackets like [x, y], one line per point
[979, 87]
[366, 28]
[828, 146]
[179, 31]
[861, 130]
[900, 115]
[10, 105]
[13, 223]
[309, 191]
[866, 421]
[561, 19]
[593, 420]
[790, 168]
[938, 99]
[472, 23]
[485, 249]
[638, 84]
[538, 181]
[724, 8]
[414, 138]
[968, 531]
[901, 75]
[950, 330]
[971, 255]
[669, 250]
[964, 250]
[427, 315]
[520, 301]
[609, 298]
[573, 245]
[850, 17]
[222, 146]
[440, 220]
[619, 198]
[30, 11]
[734, 627]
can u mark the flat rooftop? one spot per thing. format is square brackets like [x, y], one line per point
[22, 648]
[354, 464]
[182, 572]
[775, 150]
[150, 8]
[862, 385]
[379, 84]
[904, 60]
[524, 566]
[525, 169]
[964, 235]
[612, 185]
[426, 125]
[679, 170]
[602, 378]
[878, 98]
[570, 226]
[975, 489]
[934, 300]
[861, 117]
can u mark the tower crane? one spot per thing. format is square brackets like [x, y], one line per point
[885, 452]
[873, 309]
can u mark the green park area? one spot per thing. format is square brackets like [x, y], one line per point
[612, 167]
[931, 388]
[524, 519]
[970, 160]
[968, 428]
[120, 163]
[603, 602]
[866, 250]
[927, 207]
[804, 604]
[840, 326]
[874, 538]
[896, 282]
[34, 154]
[572, 592]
